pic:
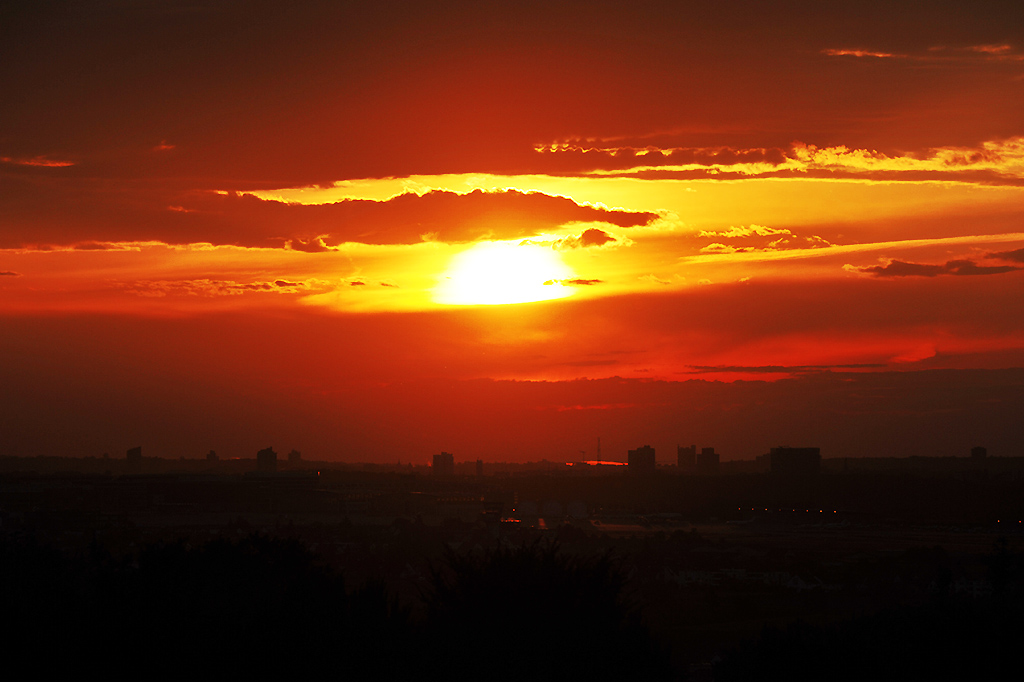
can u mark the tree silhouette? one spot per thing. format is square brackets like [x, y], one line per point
[532, 612]
[258, 607]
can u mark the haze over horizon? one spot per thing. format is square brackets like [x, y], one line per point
[373, 233]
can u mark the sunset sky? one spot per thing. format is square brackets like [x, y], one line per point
[375, 231]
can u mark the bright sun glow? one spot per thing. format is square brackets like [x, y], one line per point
[493, 273]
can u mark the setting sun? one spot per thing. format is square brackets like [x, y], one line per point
[724, 223]
[494, 273]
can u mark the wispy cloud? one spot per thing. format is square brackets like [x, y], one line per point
[573, 408]
[858, 53]
[835, 249]
[591, 237]
[434, 216]
[758, 238]
[314, 245]
[1016, 255]
[654, 279]
[999, 158]
[217, 287]
[997, 52]
[992, 49]
[39, 161]
[897, 268]
[732, 232]
[90, 246]
[774, 369]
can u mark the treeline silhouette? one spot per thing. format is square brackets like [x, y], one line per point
[532, 612]
[526, 610]
[262, 606]
[936, 641]
[943, 638]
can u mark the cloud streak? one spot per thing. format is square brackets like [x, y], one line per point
[1017, 255]
[591, 237]
[834, 249]
[77, 213]
[37, 161]
[994, 159]
[939, 54]
[858, 53]
[896, 268]
[215, 287]
[763, 238]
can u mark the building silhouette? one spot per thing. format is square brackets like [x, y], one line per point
[134, 454]
[979, 452]
[294, 456]
[266, 460]
[444, 465]
[641, 460]
[795, 461]
[707, 461]
[686, 458]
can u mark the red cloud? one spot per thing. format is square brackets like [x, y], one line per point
[73, 212]
[896, 268]
[40, 161]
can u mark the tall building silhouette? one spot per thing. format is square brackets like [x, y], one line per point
[707, 461]
[444, 465]
[686, 457]
[266, 460]
[641, 460]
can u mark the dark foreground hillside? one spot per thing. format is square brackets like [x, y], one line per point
[261, 606]
[364, 575]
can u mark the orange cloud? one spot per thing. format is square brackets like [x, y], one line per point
[575, 282]
[938, 54]
[896, 268]
[314, 245]
[758, 238]
[38, 161]
[992, 160]
[212, 287]
[591, 237]
[45, 216]
[723, 253]
[858, 53]
[991, 49]
[1015, 255]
